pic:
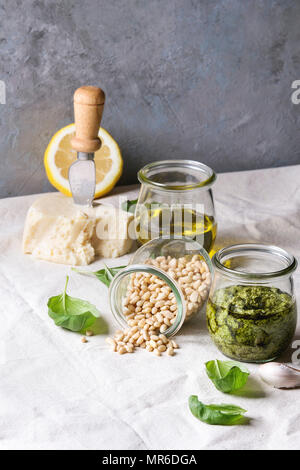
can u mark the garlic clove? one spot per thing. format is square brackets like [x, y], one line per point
[279, 375]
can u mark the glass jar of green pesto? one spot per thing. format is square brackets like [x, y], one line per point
[251, 310]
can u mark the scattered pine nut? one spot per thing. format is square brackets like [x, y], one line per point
[122, 350]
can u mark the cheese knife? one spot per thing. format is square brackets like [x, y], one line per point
[88, 109]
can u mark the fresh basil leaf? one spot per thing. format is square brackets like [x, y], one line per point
[227, 376]
[100, 327]
[129, 206]
[110, 272]
[215, 414]
[70, 312]
[104, 275]
[116, 269]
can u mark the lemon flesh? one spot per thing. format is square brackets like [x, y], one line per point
[59, 155]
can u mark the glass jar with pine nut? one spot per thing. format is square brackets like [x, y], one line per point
[166, 283]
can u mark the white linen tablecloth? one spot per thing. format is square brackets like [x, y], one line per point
[58, 393]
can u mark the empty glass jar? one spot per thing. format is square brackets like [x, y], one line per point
[251, 310]
[176, 200]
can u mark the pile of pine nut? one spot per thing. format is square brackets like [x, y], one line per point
[126, 341]
[150, 306]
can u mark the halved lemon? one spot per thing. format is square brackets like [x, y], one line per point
[59, 156]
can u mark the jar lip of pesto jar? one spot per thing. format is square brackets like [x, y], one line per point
[162, 175]
[248, 261]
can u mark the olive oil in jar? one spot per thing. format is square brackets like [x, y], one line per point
[162, 221]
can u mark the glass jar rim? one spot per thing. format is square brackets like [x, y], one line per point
[258, 248]
[192, 164]
[172, 238]
[133, 268]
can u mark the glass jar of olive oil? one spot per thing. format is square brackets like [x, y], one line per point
[251, 310]
[176, 200]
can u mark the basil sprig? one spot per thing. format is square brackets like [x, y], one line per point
[223, 414]
[227, 376]
[104, 275]
[72, 313]
[129, 206]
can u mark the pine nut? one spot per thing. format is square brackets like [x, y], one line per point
[154, 337]
[135, 336]
[203, 294]
[139, 317]
[111, 342]
[119, 337]
[194, 296]
[130, 348]
[140, 340]
[130, 316]
[134, 330]
[146, 336]
[122, 350]
[163, 338]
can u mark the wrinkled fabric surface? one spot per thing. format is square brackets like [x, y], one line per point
[58, 393]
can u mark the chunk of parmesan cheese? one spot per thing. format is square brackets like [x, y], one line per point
[59, 231]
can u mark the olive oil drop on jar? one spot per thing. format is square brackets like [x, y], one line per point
[176, 200]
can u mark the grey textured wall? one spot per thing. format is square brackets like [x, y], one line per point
[200, 79]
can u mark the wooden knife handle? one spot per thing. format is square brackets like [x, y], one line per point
[88, 108]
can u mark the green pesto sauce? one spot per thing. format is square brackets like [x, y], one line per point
[251, 323]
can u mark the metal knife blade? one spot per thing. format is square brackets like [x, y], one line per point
[82, 179]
